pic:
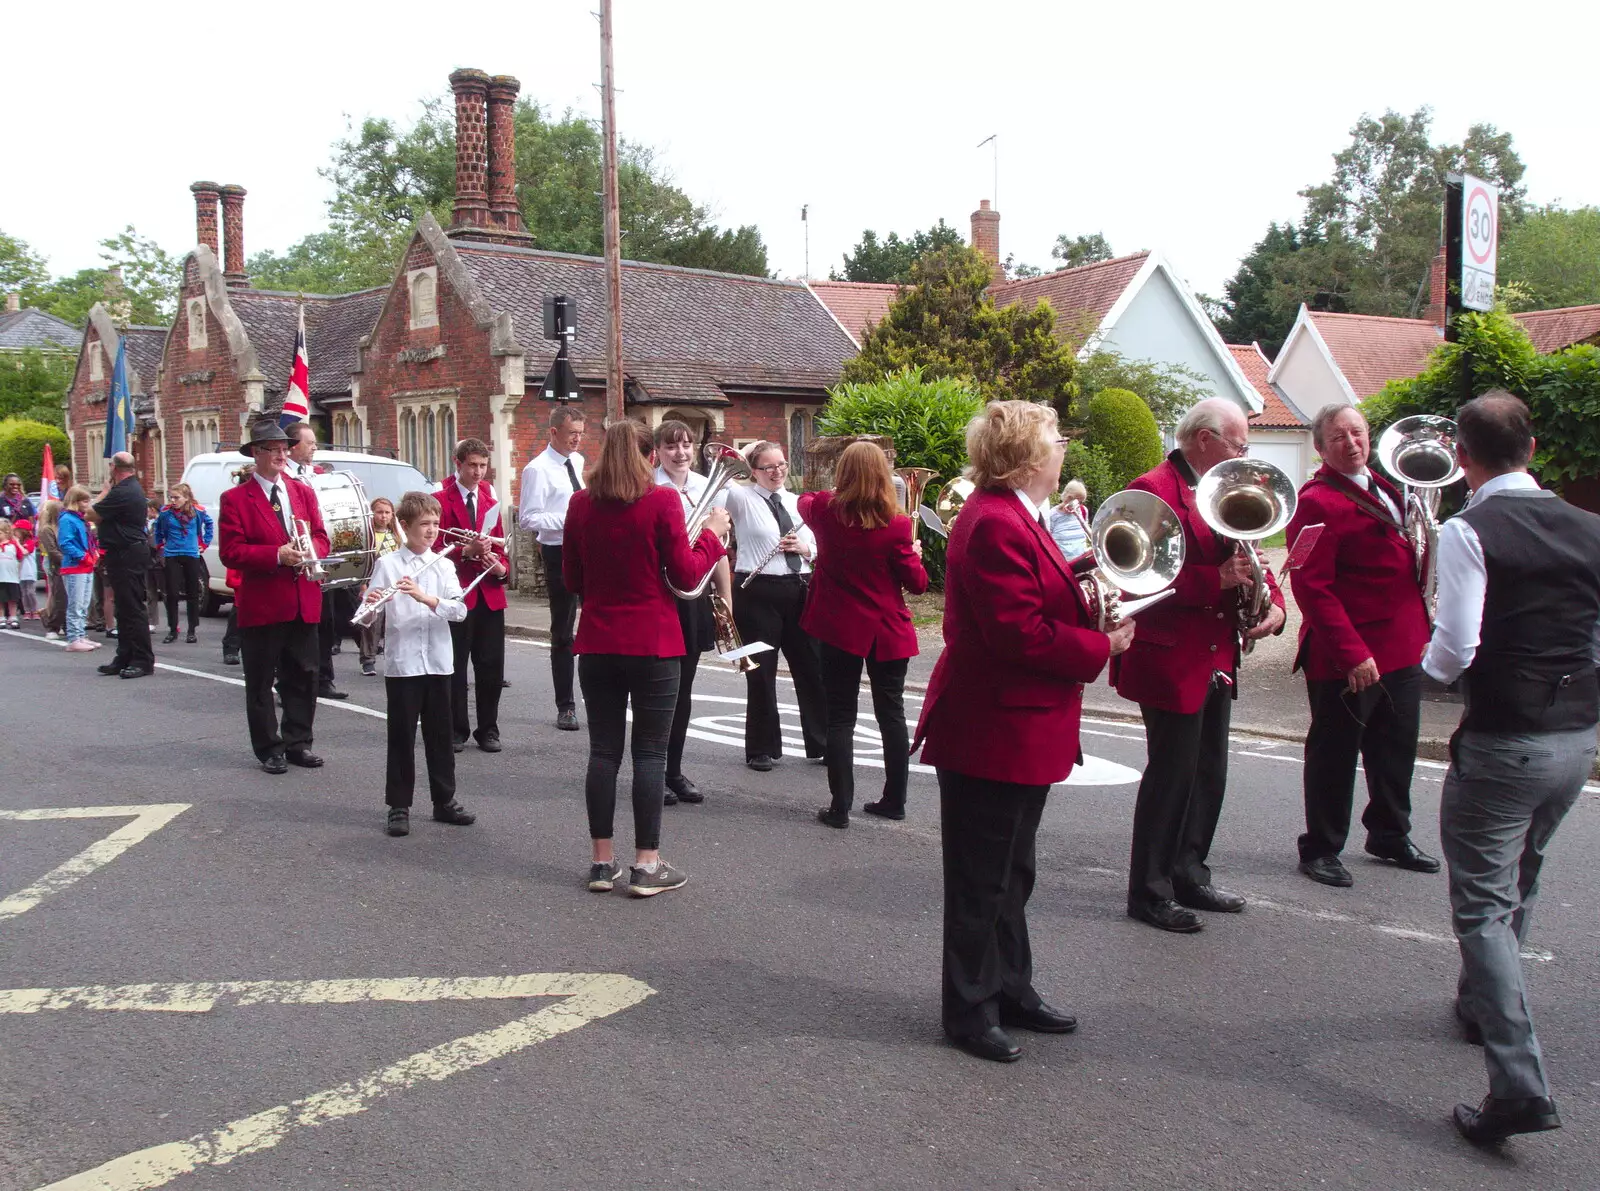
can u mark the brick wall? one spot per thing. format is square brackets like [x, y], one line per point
[197, 381]
[86, 404]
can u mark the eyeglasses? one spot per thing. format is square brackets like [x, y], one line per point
[1239, 448]
[773, 468]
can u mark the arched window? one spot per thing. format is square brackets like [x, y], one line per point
[197, 323]
[424, 299]
[430, 435]
[799, 439]
[447, 436]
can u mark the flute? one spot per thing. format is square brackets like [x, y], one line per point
[771, 553]
[369, 610]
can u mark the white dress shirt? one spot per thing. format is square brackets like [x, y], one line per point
[1363, 480]
[694, 487]
[286, 513]
[546, 489]
[1030, 508]
[757, 527]
[487, 516]
[417, 637]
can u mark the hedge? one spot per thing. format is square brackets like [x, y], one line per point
[22, 449]
[1122, 428]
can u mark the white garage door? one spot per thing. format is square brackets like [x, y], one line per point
[1285, 455]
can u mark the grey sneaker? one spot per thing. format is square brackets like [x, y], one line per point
[644, 884]
[603, 877]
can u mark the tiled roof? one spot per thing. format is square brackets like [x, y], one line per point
[1276, 413]
[145, 345]
[21, 329]
[1081, 297]
[687, 334]
[1372, 350]
[1552, 330]
[334, 327]
[856, 304]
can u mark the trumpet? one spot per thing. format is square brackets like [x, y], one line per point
[311, 566]
[371, 608]
[471, 537]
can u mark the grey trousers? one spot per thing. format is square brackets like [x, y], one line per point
[1504, 797]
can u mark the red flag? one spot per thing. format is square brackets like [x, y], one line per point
[297, 397]
[48, 489]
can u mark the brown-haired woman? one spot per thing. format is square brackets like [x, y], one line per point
[621, 532]
[867, 555]
[182, 532]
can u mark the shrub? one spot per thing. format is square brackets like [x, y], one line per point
[1090, 466]
[1121, 426]
[22, 449]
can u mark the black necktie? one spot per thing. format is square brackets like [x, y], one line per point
[785, 527]
[277, 502]
[572, 475]
[472, 510]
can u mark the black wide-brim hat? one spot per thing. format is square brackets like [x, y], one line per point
[261, 433]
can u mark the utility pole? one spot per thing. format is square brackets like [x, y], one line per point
[615, 410]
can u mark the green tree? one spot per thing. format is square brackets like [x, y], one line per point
[1092, 467]
[1553, 256]
[22, 448]
[22, 270]
[946, 324]
[33, 385]
[1253, 309]
[149, 276]
[70, 297]
[890, 259]
[1168, 390]
[1121, 426]
[1073, 251]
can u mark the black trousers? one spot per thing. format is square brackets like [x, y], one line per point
[683, 712]
[987, 831]
[285, 653]
[563, 621]
[1381, 725]
[481, 640]
[769, 610]
[610, 681]
[128, 573]
[183, 582]
[327, 636]
[424, 697]
[841, 680]
[232, 642]
[1180, 797]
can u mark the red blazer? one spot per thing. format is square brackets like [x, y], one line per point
[248, 536]
[612, 555]
[1007, 693]
[453, 515]
[855, 602]
[1358, 591]
[1181, 641]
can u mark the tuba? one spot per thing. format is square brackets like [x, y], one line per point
[915, 479]
[1138, 548]
[724, 465]
[1247, 500]
[948, 504]
[1420, 452]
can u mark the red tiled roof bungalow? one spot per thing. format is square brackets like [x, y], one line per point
[857, 306]
[1563, 326]
[1280, 434]
[1348, 357]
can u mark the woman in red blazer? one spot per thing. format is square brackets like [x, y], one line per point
[621, 532]
[1001, 720]
[867, 551]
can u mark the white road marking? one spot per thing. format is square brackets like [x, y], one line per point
[147, 818]
[588, 997]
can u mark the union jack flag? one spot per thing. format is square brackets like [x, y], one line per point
[296, 399]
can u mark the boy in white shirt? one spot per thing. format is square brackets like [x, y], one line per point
[418, 660]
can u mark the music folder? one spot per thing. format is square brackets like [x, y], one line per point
[744, 651]
[1128, 609]
[931, 520]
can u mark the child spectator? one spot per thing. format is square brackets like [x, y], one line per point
[29, 577]
[78, 558]
[418, 660]
[182, 531]
[370, 637]
[55, 605]
[12, 552]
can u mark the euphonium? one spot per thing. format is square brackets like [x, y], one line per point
[1420, 452]
[1138, 548]
[724, 466]
[915, 480]
[1247, 500]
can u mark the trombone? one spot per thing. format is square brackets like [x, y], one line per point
[1420, 452]
[1247, 500]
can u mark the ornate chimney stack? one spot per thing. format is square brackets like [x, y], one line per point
[472, 157]
[205, 214]
[233, 237]
[986, 236]
[503, 209]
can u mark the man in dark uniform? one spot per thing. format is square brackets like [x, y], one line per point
[121, 517]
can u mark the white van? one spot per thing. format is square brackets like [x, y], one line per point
[210, 474]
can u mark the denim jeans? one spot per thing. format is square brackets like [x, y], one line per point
[79, 589]
[1504, 797]
[841, 680]
[609, 682]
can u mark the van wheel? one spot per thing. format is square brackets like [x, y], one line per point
[213, 605]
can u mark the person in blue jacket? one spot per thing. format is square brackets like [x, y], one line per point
[182, 530]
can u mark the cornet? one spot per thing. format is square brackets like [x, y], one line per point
[310, 566]
[471, 537]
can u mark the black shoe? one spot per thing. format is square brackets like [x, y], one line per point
[883, 810]
[112, 633]
[685, 790]
[1471, 1031]
[1041, 1019]
[304, 758]
[369, 669]
[832, 818]
[1407, 856]
[453, 812]
[1495, 1120]
[669, 799]
[110, 669]
[171, 636]
[399, 821]
[817, 758]
[567, 719]
[993, 1044]
[137, 671]
[1327, 870]
[761, 763]
[190, 638]
[504, 682]
[275, 763]
[1209, 897]
[230, 659]
[458, 746]
[1166, 915]
[489, 742]
[331, 692]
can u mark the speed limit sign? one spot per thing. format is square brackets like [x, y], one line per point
[1480, 236]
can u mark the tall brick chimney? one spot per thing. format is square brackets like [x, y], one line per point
[205, 214]
[503, 209]
[986, 236]
[13, 303]
[1437, 290]
[233, 237]
[472, 158]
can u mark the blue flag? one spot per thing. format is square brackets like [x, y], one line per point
[119, 406]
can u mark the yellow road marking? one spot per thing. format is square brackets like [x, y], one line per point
[150, 817]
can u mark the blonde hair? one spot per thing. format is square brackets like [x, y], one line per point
[1075, 490]
[75, 494]
[416, 505]
[184, 491]
[1004, 443]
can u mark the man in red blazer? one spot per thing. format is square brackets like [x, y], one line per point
[1182, 673]
[1001, 721]
[467, 501]
[1361, 643]
[279, 608]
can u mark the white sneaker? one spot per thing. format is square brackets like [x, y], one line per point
[52, 636]
[79, 646]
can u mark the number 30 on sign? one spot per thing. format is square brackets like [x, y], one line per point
[1480, 235]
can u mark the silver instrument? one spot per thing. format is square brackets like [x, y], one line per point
[370, 609]
[761, 565]
[1247, 500]
[724, 465]
[471, 537]
[1420, 452]
[1138, 549]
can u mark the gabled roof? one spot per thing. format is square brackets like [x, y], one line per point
[1081, 297]
[1370, 350]
[1277, 412]
[21, 329]
[334, 328]
[1552, 330]
[145, 345]
[856, 304]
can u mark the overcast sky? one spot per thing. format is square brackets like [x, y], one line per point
[1180, 126]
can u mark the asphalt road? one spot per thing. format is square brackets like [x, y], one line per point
[773, 1024]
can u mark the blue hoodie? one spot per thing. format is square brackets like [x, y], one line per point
[73, 540]
[176, 540]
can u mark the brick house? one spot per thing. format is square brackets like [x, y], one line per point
[91, 387]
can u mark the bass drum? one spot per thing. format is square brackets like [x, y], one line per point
[347, 516]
